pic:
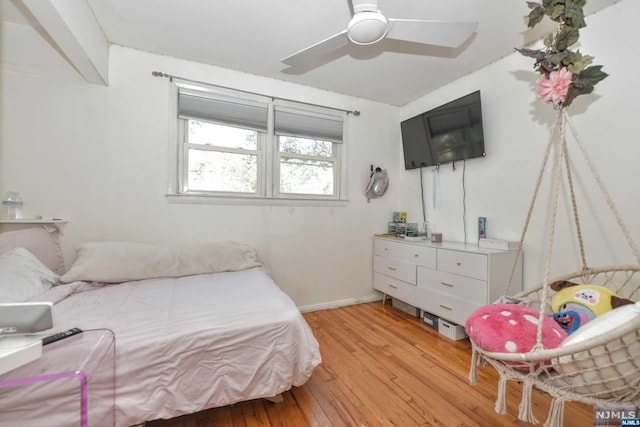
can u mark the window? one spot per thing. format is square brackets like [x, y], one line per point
[235, 145]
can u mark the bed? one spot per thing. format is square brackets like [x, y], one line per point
[196, 327]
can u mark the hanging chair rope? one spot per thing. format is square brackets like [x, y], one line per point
[557, 169]
[532, 203]
[603, 188]
[612, 373]
[574, 206]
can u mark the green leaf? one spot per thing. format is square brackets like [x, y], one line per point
[573, 62]
[535, 16]
[574, 14]
[571, 95]
[557, 12]
[566, 37]
[593, 75]
[558, 57]
[533, 4]
[575, 68]
[537, 54]
[571, 57]
[587, 60]
[548, 41]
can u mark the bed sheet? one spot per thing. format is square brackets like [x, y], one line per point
[187, 344]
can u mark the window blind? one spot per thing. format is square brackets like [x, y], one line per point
[307, 124]
[228, 111]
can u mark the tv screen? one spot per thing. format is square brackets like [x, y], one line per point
[445, 134]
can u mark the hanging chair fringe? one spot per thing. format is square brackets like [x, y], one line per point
[556, 413]
[501, 401]
[482, 362]
[526, 407]
[473, 371]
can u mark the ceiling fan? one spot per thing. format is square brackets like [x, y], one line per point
[368, 26]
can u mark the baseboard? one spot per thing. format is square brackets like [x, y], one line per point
[340, 303]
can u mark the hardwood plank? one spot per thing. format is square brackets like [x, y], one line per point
[382, 367]
[311, 409]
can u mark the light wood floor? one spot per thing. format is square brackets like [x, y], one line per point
[381, 367]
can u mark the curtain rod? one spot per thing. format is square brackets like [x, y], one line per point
[356, 113]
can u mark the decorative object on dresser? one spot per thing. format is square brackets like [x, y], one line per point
[448, 280]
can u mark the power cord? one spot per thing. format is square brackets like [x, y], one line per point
[464, 200]
[424, 209]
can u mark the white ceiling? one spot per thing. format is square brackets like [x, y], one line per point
[253, 35]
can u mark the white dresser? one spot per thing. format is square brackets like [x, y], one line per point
[450, 280]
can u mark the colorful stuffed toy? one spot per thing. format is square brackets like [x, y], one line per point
[575, 304]
[511, 328]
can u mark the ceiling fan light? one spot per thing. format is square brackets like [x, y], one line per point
[367, 28]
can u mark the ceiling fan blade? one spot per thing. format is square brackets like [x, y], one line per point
[319, 49]
[440, 33]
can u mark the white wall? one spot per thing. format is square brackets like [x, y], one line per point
[517, 128]
[98, 156]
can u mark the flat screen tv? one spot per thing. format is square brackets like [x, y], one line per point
[445, 134]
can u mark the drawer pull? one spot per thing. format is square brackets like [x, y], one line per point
[386, 249]
[458, 263]
[446, 307]
[416, 255]
[451, 285]
[392, 268]
[393, 286]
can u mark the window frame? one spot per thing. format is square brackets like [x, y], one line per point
[335, 159]
[267, 151]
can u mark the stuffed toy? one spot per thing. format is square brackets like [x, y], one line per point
[574, 304]
[512, 328]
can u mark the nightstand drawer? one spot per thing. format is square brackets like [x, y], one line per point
[395, 268]
[396, 288]
[453, 284]
[463, 263]
[417, 254]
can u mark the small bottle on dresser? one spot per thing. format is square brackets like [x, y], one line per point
[12, 205]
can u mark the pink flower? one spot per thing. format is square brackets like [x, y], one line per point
[554, 88]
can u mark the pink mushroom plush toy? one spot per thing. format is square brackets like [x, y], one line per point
[511, 328]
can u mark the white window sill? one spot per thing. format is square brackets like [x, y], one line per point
[256, 201]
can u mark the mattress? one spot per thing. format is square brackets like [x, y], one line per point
[182, 345]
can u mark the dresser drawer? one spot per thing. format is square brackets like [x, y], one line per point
[419, 255]
[463, 263]
[396, 288]
[395, 268]
[453, 284]
[446, 306]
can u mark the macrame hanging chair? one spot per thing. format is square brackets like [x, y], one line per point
[603, 370]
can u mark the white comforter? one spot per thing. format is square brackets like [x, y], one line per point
[188, 344]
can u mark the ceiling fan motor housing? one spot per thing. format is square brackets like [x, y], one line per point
[367, 28]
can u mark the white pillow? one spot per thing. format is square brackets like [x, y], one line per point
[23, 277]
[42, 242]
[116, 262]
[586, 370]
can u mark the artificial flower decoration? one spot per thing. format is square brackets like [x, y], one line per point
[554, 88]
[565, 74]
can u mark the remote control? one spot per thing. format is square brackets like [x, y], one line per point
[60, 335]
